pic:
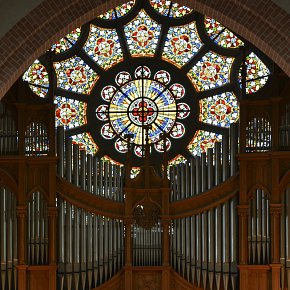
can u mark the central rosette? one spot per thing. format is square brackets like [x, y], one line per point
[142, 102]
[142, 111]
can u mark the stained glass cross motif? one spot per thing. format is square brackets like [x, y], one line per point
[140, 102]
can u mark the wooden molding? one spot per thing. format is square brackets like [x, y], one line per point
[88, 201]
[209, 199]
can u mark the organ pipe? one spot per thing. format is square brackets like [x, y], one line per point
[202, 247]
[8, 240]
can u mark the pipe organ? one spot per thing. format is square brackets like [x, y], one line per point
[8, 239]
[37, 230]
[90, 247]
[8, 132]
[69, 218]
[203, 247]
[285, 240]
[259, 228]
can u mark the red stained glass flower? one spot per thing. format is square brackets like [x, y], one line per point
[65, 113]
[104, 47]
[76, 75]
[143, 112]
[220, 109]
[142, 35]
[210, 71]
[181, 44]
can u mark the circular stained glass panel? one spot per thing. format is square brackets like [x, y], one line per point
[140, 103]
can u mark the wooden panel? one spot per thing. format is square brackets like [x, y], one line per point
[255, 277]
[41, 277]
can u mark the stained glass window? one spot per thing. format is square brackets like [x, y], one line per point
[142, 35]
[257, 73]
[182, 43]
[138, 103]
[170, 9]
[69, 113]
[177, 160]
[219, 110]
[37, 78]
[118, 12]
[221, 35]
[85, 142]
[162, 74]
[203, 140]
[75, 75]
[103, 46]
[212, 71]
[66, 42]
[135, 171]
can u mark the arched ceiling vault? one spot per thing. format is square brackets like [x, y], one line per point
[262, 22]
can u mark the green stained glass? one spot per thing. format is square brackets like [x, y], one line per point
[182, 43]
[221, 35]
[212, 71]
[75, 75]
[37, 78]
[69, 113]
[177, 160]
[219, 110]
[107, 158]
[203, 140]
[103, 46]
[118, 12]
[170, 9]
[85, 142]
[134, 172]
[142, 35]
[257, 73]
[66, 42]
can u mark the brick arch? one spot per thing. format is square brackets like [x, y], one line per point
[261, 22]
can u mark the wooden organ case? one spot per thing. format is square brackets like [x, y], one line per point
[69, 220]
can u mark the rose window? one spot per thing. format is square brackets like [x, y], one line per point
[149, 71]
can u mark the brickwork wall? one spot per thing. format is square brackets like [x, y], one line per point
[261, 22]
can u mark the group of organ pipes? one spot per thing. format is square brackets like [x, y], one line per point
[91, 247]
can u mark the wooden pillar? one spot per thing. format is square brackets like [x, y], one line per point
[21, 129]
[275, 210]
[275, 123]
[243, 125]
[21, 235]
[243, 211]
[128, 254]
[165, 255]
[21, 248]
[52, 216]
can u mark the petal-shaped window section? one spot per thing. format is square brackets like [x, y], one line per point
[182, 43]
[212, 71]
[170, 9]
[66, 42]
[221, 35]
[219, 110]
[142, 35]
[69, 113]
[118, 12]
[257, 73]
[37, 78]
[103, 46]
[203, 140]
[85, 142]
[75, 75]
